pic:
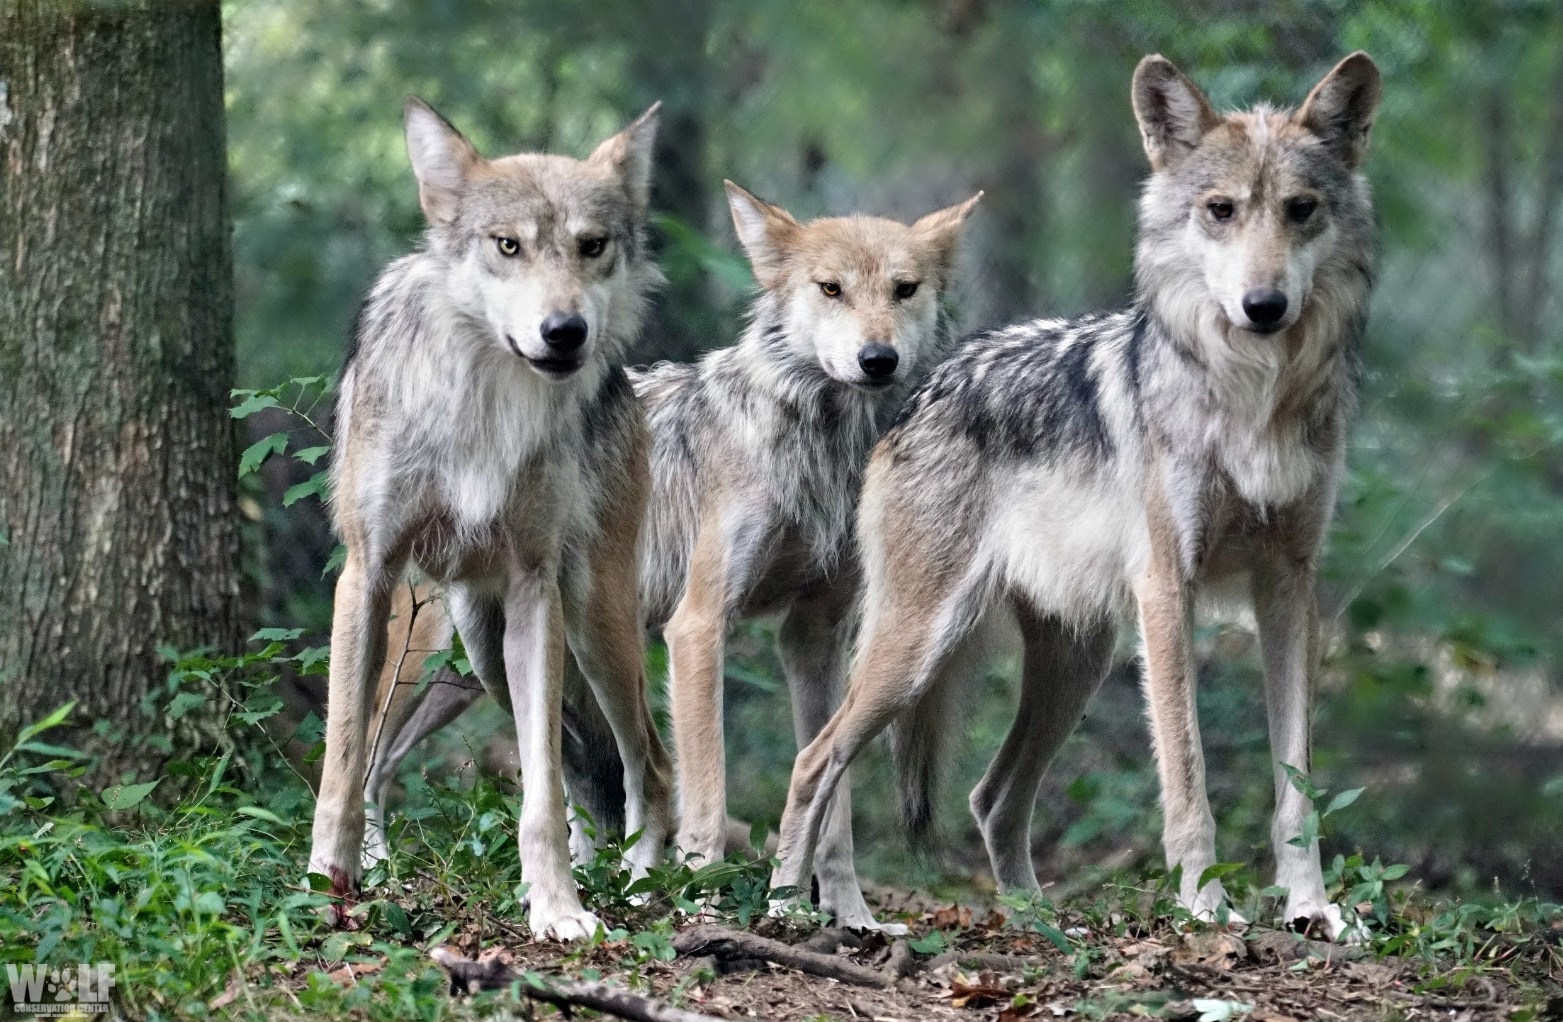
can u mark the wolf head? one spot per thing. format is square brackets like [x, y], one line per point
[859, 295]
[546, 253]
[1250, 218]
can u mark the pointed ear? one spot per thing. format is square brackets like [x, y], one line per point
[941, 230]
[441, 159]
[766, 232]
[1173, 114]
[1340, 108]
[628, 154]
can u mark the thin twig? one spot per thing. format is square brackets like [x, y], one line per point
[471, 975]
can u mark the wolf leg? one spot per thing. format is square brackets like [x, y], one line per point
[534, 652]
[904, 644]
[1061, 669]
[813, 642]
[1286, 610]
[1166, 634]
[362, 605]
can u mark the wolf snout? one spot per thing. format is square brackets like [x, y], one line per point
[878, 361]
[1265, 307]
[564, 333]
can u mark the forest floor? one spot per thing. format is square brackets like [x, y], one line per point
[991, 965]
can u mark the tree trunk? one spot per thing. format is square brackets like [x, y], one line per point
[117, 483]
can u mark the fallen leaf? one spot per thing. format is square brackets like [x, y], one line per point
[348, 974]
[1213, 948]
[230, 992]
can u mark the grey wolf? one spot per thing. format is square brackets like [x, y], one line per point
[1065, 472]
[489, 437]
[757, 456]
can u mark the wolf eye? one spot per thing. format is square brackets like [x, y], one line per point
[591, 248]
[830, 289]
[1299, 210]
[906, 289]
[1221, 209]
[508, 247]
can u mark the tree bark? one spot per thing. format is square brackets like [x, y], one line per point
[117, 484]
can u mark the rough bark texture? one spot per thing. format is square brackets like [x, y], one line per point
[116, 356]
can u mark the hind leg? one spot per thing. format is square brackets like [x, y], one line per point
[812, 643]
[1061, 668]
[928, 607]
[593, 772]
[403, 715]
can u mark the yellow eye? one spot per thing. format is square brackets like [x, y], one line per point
[508, 247]
[591, 248]
[830, 289]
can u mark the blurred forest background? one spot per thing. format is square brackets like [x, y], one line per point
[1442, 691]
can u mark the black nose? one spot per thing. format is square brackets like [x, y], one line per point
[1264, 306]
[564, 333]
[878, 361]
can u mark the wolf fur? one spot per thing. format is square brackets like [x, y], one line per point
[757, 457]
[488, 436]
[1066, 471]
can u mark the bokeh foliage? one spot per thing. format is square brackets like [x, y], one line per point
[1443, 569]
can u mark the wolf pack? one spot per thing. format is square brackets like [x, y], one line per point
[904, 503]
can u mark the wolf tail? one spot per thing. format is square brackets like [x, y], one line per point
[920, 737]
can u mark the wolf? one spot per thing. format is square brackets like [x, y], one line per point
[489, 437]
[757, 456]
[1065, 472]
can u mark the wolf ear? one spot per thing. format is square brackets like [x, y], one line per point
[628, 154]
[1340, 108]
[941, 230]
[441, 158]
[1173, 114]
[766, 232]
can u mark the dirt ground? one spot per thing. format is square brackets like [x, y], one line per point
[992, 969]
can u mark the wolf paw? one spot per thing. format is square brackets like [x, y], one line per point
[1323, 919]
[851, 912]
[565, 926]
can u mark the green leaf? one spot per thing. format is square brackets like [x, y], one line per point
[315, 486]
[1216, 872]
[260, 814]
[52, 720]
[931, 944]
[335, 561]
[255, 455]
[1395, 872]
[125, 796]
[276, 635]
[1343, 800]
[252, 404]
[310, 455]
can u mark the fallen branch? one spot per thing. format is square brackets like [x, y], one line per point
[722, 943]
[984, 961]
[469, 975]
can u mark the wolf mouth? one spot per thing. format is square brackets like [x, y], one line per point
[555, 368]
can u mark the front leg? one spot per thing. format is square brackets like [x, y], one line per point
[1165, 600]
[1286, 609]
[695, 636]
[534, 650]
[358, 639]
